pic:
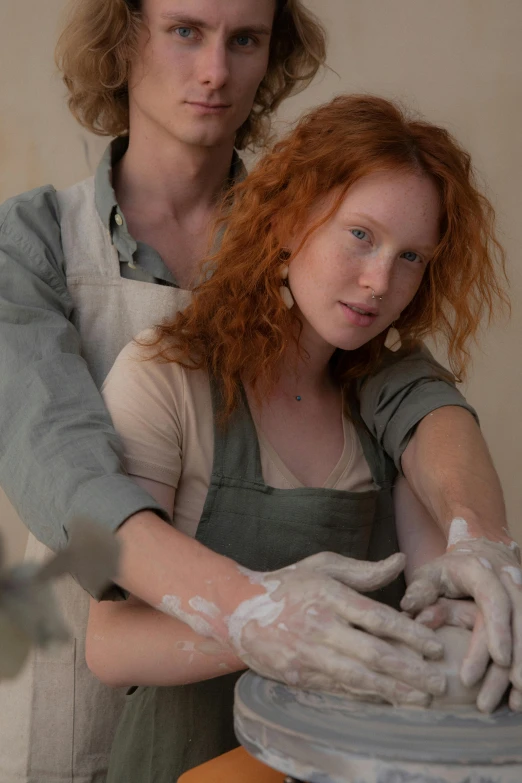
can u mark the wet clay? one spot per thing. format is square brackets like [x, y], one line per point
[456, 642]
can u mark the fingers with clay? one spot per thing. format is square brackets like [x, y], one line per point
[449, 611]
[487, 571]
[477, 666]
[311, 628]
[511, 578]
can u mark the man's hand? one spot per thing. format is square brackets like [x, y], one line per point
[312, 629]
[307, 625]
[489, 573]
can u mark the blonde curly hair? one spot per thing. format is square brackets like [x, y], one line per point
[99, 41]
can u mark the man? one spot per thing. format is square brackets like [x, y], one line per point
[84, 270]
[189, 80]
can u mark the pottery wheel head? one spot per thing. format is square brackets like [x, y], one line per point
[324, 738]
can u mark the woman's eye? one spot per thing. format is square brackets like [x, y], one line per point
[410, 256]
[359, 233]
[184, 32]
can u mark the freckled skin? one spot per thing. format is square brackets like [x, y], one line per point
[381, 238]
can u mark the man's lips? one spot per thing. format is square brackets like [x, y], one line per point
[210, 106]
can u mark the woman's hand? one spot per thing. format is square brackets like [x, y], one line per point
[466, 614]
[310, 627]
[489, 573]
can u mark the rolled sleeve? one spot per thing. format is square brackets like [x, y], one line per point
[407, 386]
[59, 453]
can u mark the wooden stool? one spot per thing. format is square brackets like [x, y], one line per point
[237, 766]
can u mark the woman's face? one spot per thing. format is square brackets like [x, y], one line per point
[381, 239]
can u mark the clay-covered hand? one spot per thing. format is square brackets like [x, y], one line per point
[310, 627]
[477, 664]
[489, 573]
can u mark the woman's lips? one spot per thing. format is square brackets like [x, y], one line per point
[351, 312]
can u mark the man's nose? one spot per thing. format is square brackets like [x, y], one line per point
[213, 67]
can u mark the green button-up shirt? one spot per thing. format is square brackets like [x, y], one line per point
[59, 453]
[138, 261]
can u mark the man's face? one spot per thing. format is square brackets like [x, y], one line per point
[198, 67]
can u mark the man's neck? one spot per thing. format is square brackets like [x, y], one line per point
[169, 178]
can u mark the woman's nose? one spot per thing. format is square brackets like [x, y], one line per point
[376, 275]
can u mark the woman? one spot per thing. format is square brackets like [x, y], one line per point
[242, 417]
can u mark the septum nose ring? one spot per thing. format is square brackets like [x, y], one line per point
[375, 297]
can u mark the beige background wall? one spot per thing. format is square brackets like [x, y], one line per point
[459, 62]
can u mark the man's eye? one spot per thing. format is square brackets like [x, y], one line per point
[184, 32]
[244, 40]
[359, 233]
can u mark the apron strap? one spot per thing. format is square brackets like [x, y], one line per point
[381, 466]
[236, 447]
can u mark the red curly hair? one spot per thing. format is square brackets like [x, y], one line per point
[237, 326]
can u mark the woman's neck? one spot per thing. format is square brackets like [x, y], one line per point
[305, 371]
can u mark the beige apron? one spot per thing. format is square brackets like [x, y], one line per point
[56, 720]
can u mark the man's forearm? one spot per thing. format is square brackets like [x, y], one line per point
[59, 453]
[168, 569]
[448, 466]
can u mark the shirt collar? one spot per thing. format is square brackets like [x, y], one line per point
[104, 194]
[105, 197]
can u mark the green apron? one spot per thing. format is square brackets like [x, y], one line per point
[165, 731]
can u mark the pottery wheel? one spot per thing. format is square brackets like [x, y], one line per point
[322, 738]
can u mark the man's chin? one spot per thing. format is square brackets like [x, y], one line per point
[207, 138]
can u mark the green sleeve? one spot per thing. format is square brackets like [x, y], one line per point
[59, 453]
[403, 390]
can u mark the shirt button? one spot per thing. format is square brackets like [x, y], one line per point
[118, 219]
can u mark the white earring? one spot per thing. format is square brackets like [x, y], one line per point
[286, 294]
[393, 340]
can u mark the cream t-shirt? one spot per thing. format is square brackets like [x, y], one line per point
[163, 412]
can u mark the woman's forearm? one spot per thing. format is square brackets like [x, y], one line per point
[129, 643]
